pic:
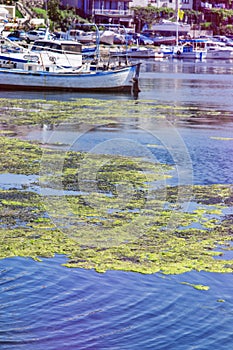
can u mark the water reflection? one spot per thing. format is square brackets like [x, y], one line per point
[206, 84]
[155, 74]
[62, 95]
[45, 305]
[189, 66]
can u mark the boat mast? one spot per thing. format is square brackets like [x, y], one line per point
[97, 43]
[177, 22]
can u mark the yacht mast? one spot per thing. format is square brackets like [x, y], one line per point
[177, 22]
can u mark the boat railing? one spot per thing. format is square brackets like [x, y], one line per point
[7, 45]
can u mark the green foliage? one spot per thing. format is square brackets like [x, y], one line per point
[223, 13]
[206, 25]
[18, 13]
[228, 29]
[150, 14]
[40, 12]
[54, 12]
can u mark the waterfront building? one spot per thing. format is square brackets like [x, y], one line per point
[104, 11]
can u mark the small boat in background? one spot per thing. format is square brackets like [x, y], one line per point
[107, 37]
[186, 48]
[166, 27]
[167, 50]
[80, 36]
[190, 49]
[218, 50]
[137, 52]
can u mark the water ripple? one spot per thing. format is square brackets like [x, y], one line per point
[44, 305]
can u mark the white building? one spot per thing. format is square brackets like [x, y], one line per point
[183, 4]
[7, 11]
[3, 17]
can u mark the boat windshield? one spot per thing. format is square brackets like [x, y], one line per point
[57, 47]
[74, 48]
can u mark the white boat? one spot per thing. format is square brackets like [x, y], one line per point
[59, 65]
[137, 52]
[167, 50]
[216, 50]
[169, 27]
[190, 49]
[187, 48]
[2, 24]
[63, 53]
[39, 76]
[81, 36]
[107, 37]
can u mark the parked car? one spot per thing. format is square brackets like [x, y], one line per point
[33, 35]
[142, 39]
[17, 35]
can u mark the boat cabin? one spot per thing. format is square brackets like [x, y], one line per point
[193, 44]
[64, 47]
[64, 53]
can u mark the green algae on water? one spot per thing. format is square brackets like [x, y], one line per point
[19, 157]
[145, 230]
[222, 138]
[93, 112]
[196, 286]
[27, 230]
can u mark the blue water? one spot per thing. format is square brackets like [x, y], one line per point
[47, 306]
[211, 158]
[207, 145]
[44, 305]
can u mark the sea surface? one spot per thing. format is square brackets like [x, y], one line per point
[44, 305]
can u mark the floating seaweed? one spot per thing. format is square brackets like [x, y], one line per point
[118, 219]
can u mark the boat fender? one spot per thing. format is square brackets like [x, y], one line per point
[52, 59]
[178, 52]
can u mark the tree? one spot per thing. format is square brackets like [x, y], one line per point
[150, 14]
[146, 15]
[54, 12]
